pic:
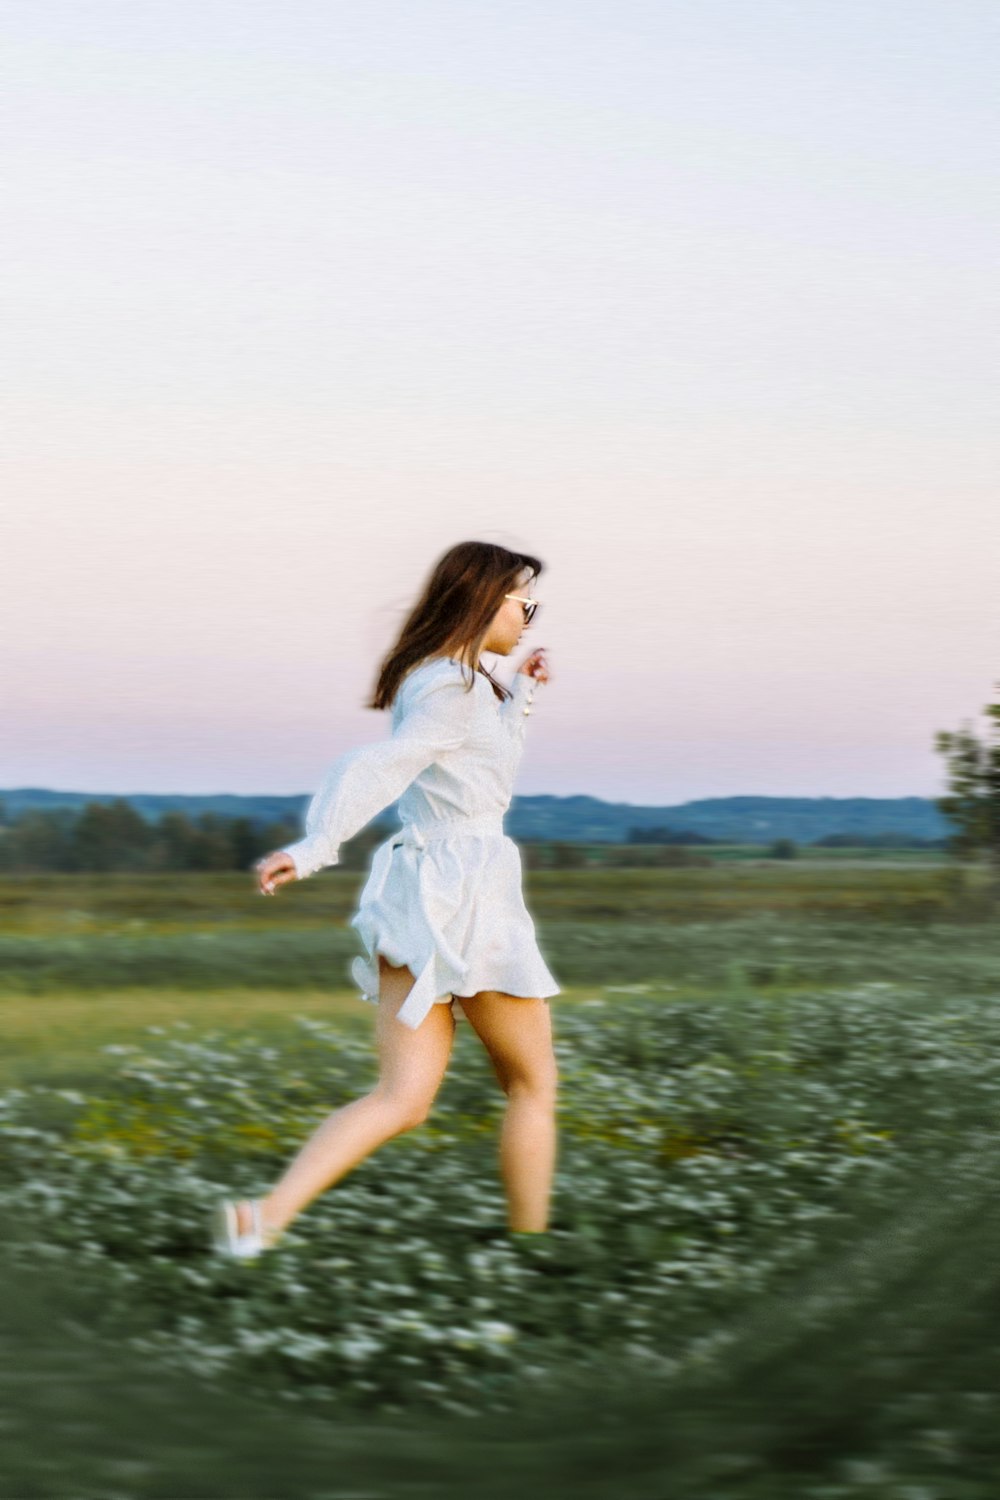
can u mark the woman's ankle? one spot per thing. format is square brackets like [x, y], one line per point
[245, 1218]
[272, 1222]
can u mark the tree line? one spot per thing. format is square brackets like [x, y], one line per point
[111, 837]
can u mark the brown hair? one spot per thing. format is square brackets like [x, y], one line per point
[463, 592]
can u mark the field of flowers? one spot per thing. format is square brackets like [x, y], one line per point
[771, 1262]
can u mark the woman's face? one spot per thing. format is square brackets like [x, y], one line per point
[507, 625]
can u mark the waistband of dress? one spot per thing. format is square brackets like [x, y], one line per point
[443, 828]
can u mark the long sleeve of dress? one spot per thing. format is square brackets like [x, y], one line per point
[437, 718]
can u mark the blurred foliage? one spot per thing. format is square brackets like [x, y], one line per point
[972, 801]
[772, 1221]
[769, 1272]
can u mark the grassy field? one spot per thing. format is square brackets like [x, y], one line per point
[204, 933]
[78, 906]
[86, 961]
[774, 1218]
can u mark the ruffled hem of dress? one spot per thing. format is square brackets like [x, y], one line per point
[366, 979]
[364, 972]
[435, 980]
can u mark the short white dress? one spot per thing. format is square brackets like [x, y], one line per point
[443, 895]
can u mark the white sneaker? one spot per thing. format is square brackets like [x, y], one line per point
[226, 1236]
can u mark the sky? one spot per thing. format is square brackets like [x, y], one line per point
[695, 301]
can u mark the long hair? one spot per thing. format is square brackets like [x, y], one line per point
[463, 592]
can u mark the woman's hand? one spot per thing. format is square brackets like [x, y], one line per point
[274, 870]
[535, 666]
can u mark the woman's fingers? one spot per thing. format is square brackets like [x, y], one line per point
[274, 870]
[536, 666]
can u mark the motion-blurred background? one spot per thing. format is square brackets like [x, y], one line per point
[696, 301]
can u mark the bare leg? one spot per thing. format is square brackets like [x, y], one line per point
[517, 1034]
[411, 1067]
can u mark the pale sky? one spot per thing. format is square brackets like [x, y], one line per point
[697, 301]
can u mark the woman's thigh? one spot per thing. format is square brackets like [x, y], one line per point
[412, 1062]
[517, 1034]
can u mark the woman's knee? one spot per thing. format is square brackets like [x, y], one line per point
[407, 1111]
[541, 1085]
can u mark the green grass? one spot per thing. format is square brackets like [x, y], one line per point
[76, 934]
[771, 1269]
[84, 906]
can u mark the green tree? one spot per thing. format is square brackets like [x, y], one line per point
[112, 836]
[175, 838]
[39, 840]
[972, 801]
[211, 846]
[246, 844]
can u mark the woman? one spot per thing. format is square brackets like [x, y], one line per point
[441, 916]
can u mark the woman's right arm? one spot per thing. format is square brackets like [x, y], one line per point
[437, 718]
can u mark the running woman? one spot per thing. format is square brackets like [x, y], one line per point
[441, 917]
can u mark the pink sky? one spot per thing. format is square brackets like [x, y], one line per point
[698, 308]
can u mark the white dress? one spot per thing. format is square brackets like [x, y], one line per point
[443, 895]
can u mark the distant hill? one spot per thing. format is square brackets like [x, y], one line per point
[738, 820]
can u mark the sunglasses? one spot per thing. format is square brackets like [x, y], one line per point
[530, 605]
